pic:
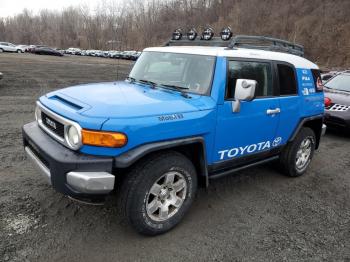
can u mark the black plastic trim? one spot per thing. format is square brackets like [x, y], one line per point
[127, 159]
[61, 160]
[234, 163]
[303, 122]
[233, 170]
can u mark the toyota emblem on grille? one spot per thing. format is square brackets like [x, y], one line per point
[50, 123]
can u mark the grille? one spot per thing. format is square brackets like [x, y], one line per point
[53, 125]
[338, 108]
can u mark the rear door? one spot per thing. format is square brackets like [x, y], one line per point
[290, 102]
[252, 130]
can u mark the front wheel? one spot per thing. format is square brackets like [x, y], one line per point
[19, 51]
[158, 192]
[297, 156]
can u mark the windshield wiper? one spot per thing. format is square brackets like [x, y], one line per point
[175, 87]
[148, 82]
[179, 88]
[131, 79]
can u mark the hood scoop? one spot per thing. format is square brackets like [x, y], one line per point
[69, 102]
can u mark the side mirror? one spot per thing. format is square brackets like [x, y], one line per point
[245, 91]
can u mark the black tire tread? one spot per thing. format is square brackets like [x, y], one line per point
[287, 159]
[129, 184]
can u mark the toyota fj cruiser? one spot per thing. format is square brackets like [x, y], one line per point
[196, 109]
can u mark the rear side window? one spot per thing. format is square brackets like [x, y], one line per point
[259, 71]
[317, 80]
[287, 80]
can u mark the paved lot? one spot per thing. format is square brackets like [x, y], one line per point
[255, 215]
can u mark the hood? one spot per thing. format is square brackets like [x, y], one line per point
[127, 100]
[338, 97]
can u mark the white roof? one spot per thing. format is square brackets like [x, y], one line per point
[297, 61]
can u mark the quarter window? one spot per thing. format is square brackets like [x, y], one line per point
[286, 76]
[258, 71]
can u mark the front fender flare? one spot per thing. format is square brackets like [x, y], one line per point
[132, 156]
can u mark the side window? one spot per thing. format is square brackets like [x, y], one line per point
[258, 71]
[287, 80]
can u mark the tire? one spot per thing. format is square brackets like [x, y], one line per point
[1, 50]
[19, 51]
[143, 192]
[297, 156]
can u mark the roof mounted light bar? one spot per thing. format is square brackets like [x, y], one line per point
[239, 41]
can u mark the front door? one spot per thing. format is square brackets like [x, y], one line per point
[252, 130]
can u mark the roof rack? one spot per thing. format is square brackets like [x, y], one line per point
[266, 43]
[245, 41]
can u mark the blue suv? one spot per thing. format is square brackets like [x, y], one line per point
[191, 111]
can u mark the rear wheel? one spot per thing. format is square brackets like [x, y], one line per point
[297, 157]
[1, 50]
[158, 192]
[19, 51]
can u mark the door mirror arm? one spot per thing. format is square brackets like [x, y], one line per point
[236, 106]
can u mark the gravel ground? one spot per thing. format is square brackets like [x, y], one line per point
[254, 215]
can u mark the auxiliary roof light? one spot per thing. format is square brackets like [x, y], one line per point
[208, 33]
[192, 34]
[177, 35]
[226, 33]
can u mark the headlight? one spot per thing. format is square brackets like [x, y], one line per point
[73, 137]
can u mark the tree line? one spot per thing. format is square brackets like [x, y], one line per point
[322, 26]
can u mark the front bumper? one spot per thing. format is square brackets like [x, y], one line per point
[71, 173]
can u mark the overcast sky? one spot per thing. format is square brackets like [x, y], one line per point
[13, 7]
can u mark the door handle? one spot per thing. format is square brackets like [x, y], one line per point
[273, 111]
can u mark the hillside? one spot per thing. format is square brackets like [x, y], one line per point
[322, 26]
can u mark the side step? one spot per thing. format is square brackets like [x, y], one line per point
[231, 171]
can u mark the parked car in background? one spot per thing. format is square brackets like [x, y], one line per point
[32, 48]
[47, 51]
[73, 51]
[328, 75]
[24, 48]
[337, 101]
[8, 47]
[135, 55]
[91, 52]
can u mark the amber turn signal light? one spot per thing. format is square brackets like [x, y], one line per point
[104, 139]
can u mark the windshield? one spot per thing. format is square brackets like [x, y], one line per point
[339, 82]
[190, 73]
